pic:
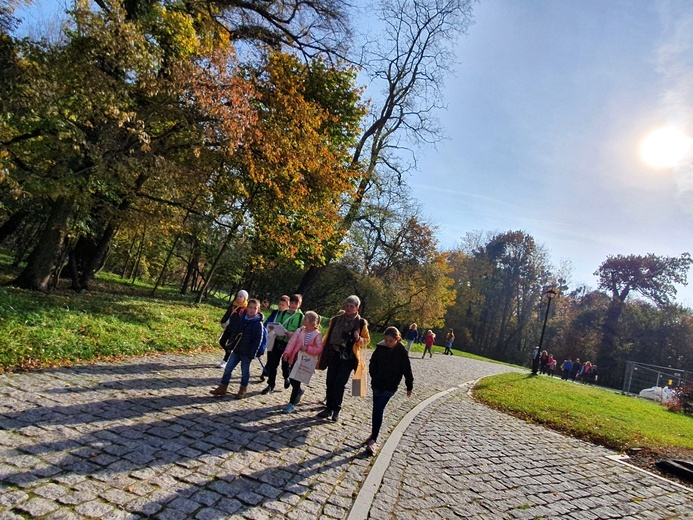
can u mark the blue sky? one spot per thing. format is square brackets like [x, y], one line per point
[549, 104]
[546, 113]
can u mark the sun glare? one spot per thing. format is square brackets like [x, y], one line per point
[666, 147]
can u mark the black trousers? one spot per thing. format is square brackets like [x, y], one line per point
[274, 357]
[338, 372]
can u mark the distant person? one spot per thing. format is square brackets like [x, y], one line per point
[552, 365]
[536, 358]
[306, 339]
[584, 374]
[345, 335]
[388, 364]
[230, 322]
[577, 366]
[543, 362]
[411, 336]
[566, 368]
[244, 347]
[449, 340]
[429, 341]
[593, 375]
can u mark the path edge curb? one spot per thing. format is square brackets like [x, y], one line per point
[364, 500]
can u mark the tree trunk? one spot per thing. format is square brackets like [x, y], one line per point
[607, 361]
[213, 268]
[127, 258]
[97, 259]
[190, 279]
[36, 275]
[160, 279]
[136, 265]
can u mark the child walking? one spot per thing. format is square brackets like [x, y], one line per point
[243, 349]
[429, 340]
[389, 363]
[309, 340]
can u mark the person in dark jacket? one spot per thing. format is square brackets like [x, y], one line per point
[230, 323]
[389, 363]
[244, 347]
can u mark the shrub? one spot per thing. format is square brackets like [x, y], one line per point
[683, 396]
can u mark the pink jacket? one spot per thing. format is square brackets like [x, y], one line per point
[313, 348]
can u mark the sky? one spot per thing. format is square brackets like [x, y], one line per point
[549, 104]
[547, 109]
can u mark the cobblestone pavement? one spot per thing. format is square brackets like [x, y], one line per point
[143, 438]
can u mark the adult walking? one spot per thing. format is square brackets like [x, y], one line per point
[411, 335]
[346, 334]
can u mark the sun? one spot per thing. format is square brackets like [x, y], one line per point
[665, 147]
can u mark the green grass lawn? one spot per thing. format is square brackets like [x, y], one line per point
[39, 330]
[614, 420]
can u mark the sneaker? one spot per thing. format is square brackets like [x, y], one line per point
[324, 414]
[300, 394]
[289, 408]
[371, 447]
[267, 390]
[335, 416]
[222, 364]
[287, 383]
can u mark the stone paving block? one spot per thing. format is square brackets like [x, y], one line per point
[37, 507]
[229, 505]
[61, 514]
[143, 506]
[94, 509]
[10, 499]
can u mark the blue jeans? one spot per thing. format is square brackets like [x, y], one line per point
[231, 364]
[380, 399]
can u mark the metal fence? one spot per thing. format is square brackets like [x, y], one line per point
[640, 376]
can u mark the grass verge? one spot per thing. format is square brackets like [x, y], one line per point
[611, 419]
[40, 330]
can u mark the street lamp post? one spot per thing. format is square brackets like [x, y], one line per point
[550, 294]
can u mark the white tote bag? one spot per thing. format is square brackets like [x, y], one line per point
[304, 367]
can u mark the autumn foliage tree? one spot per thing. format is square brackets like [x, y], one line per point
[650, 276]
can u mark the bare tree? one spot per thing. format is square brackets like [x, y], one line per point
[409, 63]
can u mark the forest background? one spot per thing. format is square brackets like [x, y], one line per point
[213, 146]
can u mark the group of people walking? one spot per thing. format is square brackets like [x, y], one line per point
[293, 341]
[545, 363]
[585, 373]
[429, 339]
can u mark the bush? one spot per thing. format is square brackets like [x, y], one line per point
[683, 396]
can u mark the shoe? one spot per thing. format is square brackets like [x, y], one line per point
[222, 364]
[289, 408]
[242, 393]
[324, 414]
[287, 383]
[267, 390]
[365, 443]
[300, 394]
[335, 416]
[371, 447]
[220, 391]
